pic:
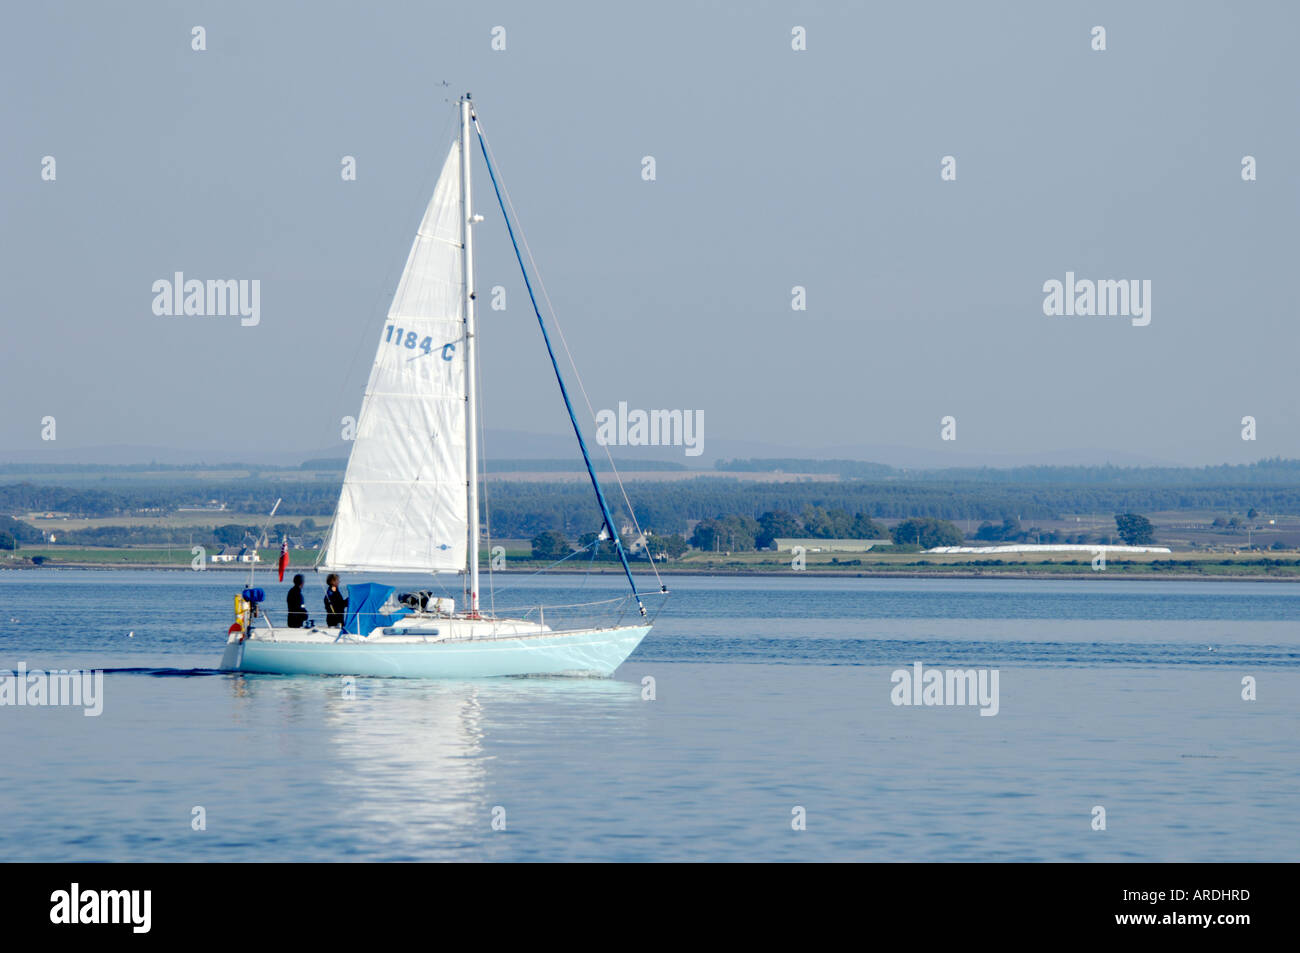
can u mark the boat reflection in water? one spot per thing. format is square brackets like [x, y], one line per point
[403, 767]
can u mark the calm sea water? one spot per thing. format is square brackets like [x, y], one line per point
[771, 695]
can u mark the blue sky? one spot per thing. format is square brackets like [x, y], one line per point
[774, 168]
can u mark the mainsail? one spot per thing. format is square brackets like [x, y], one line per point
[404, 501]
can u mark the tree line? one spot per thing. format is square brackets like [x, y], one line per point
[524, 509]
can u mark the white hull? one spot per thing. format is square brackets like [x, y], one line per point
[538, 652]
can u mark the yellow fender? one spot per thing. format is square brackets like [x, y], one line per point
[241, 615]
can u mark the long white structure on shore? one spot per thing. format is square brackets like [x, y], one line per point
[1050, 548]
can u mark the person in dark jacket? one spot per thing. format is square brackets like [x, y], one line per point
[297, 604]
[336, 604]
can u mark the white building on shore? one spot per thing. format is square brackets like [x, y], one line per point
[231, 555]
[1049, 548]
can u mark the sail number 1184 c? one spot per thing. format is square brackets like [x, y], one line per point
[411, 340]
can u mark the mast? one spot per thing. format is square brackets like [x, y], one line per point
[471, 382]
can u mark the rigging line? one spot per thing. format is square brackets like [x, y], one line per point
[264, 612]
[487, 150]
[559, 379]
[573, 364]
[538, 572]
[482, 463]
[595, 548]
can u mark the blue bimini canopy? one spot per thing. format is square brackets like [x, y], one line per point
[364, 602]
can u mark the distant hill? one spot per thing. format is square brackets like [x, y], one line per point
[575, 465]
[847, 469]
[530, 466]
[1272, 472]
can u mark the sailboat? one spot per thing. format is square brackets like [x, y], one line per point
[410, 496]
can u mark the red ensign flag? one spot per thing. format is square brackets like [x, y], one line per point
[284, 558]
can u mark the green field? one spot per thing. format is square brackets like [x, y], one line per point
[1282, 565]
[178, 520]
[1247, 565]
[178, 557]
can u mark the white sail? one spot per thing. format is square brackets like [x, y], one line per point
[404, 500]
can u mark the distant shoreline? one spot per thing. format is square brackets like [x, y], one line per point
[1135, 574]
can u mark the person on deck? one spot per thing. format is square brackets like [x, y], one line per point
[297, 604]
[336, 604]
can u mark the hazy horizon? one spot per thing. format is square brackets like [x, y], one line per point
[775, 168]
[550, 448]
